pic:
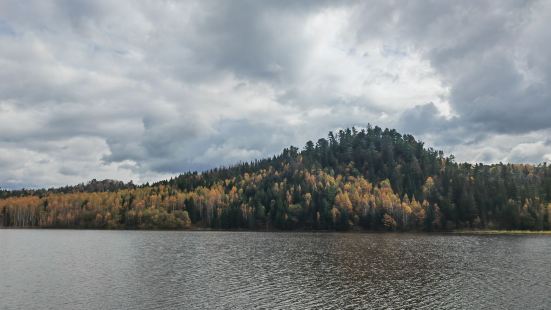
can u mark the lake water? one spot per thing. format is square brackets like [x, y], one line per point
[77, 269]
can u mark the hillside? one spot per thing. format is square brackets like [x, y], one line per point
[370, 179]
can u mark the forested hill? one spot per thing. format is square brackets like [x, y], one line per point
[370, 179]
[92, 186]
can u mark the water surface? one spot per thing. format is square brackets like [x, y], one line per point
[79, 269]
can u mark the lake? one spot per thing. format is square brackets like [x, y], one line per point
[81, 269]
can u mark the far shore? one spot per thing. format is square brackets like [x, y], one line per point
[360, 231]
[502, 232]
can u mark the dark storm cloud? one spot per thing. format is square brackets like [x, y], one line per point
[415, 119]
[498, 78]
[248, 39]
[146, 89]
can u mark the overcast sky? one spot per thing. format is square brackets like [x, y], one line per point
[143, 90]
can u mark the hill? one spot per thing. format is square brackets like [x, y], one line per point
[371, 179]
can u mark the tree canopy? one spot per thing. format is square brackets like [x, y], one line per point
[371, 179]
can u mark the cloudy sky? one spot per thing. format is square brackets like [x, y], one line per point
[142, 90]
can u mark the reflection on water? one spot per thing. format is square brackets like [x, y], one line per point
[67, 269]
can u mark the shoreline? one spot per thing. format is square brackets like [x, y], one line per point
[352, 231]
[501, 232]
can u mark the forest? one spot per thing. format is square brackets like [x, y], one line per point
[367, 179]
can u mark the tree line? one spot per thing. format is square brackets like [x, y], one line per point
[370, 179]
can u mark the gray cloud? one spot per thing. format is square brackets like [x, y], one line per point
[486, 51]
[142, 90]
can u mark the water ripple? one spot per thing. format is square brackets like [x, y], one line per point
[50, 269]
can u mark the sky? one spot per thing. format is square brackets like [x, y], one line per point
[144, 90]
